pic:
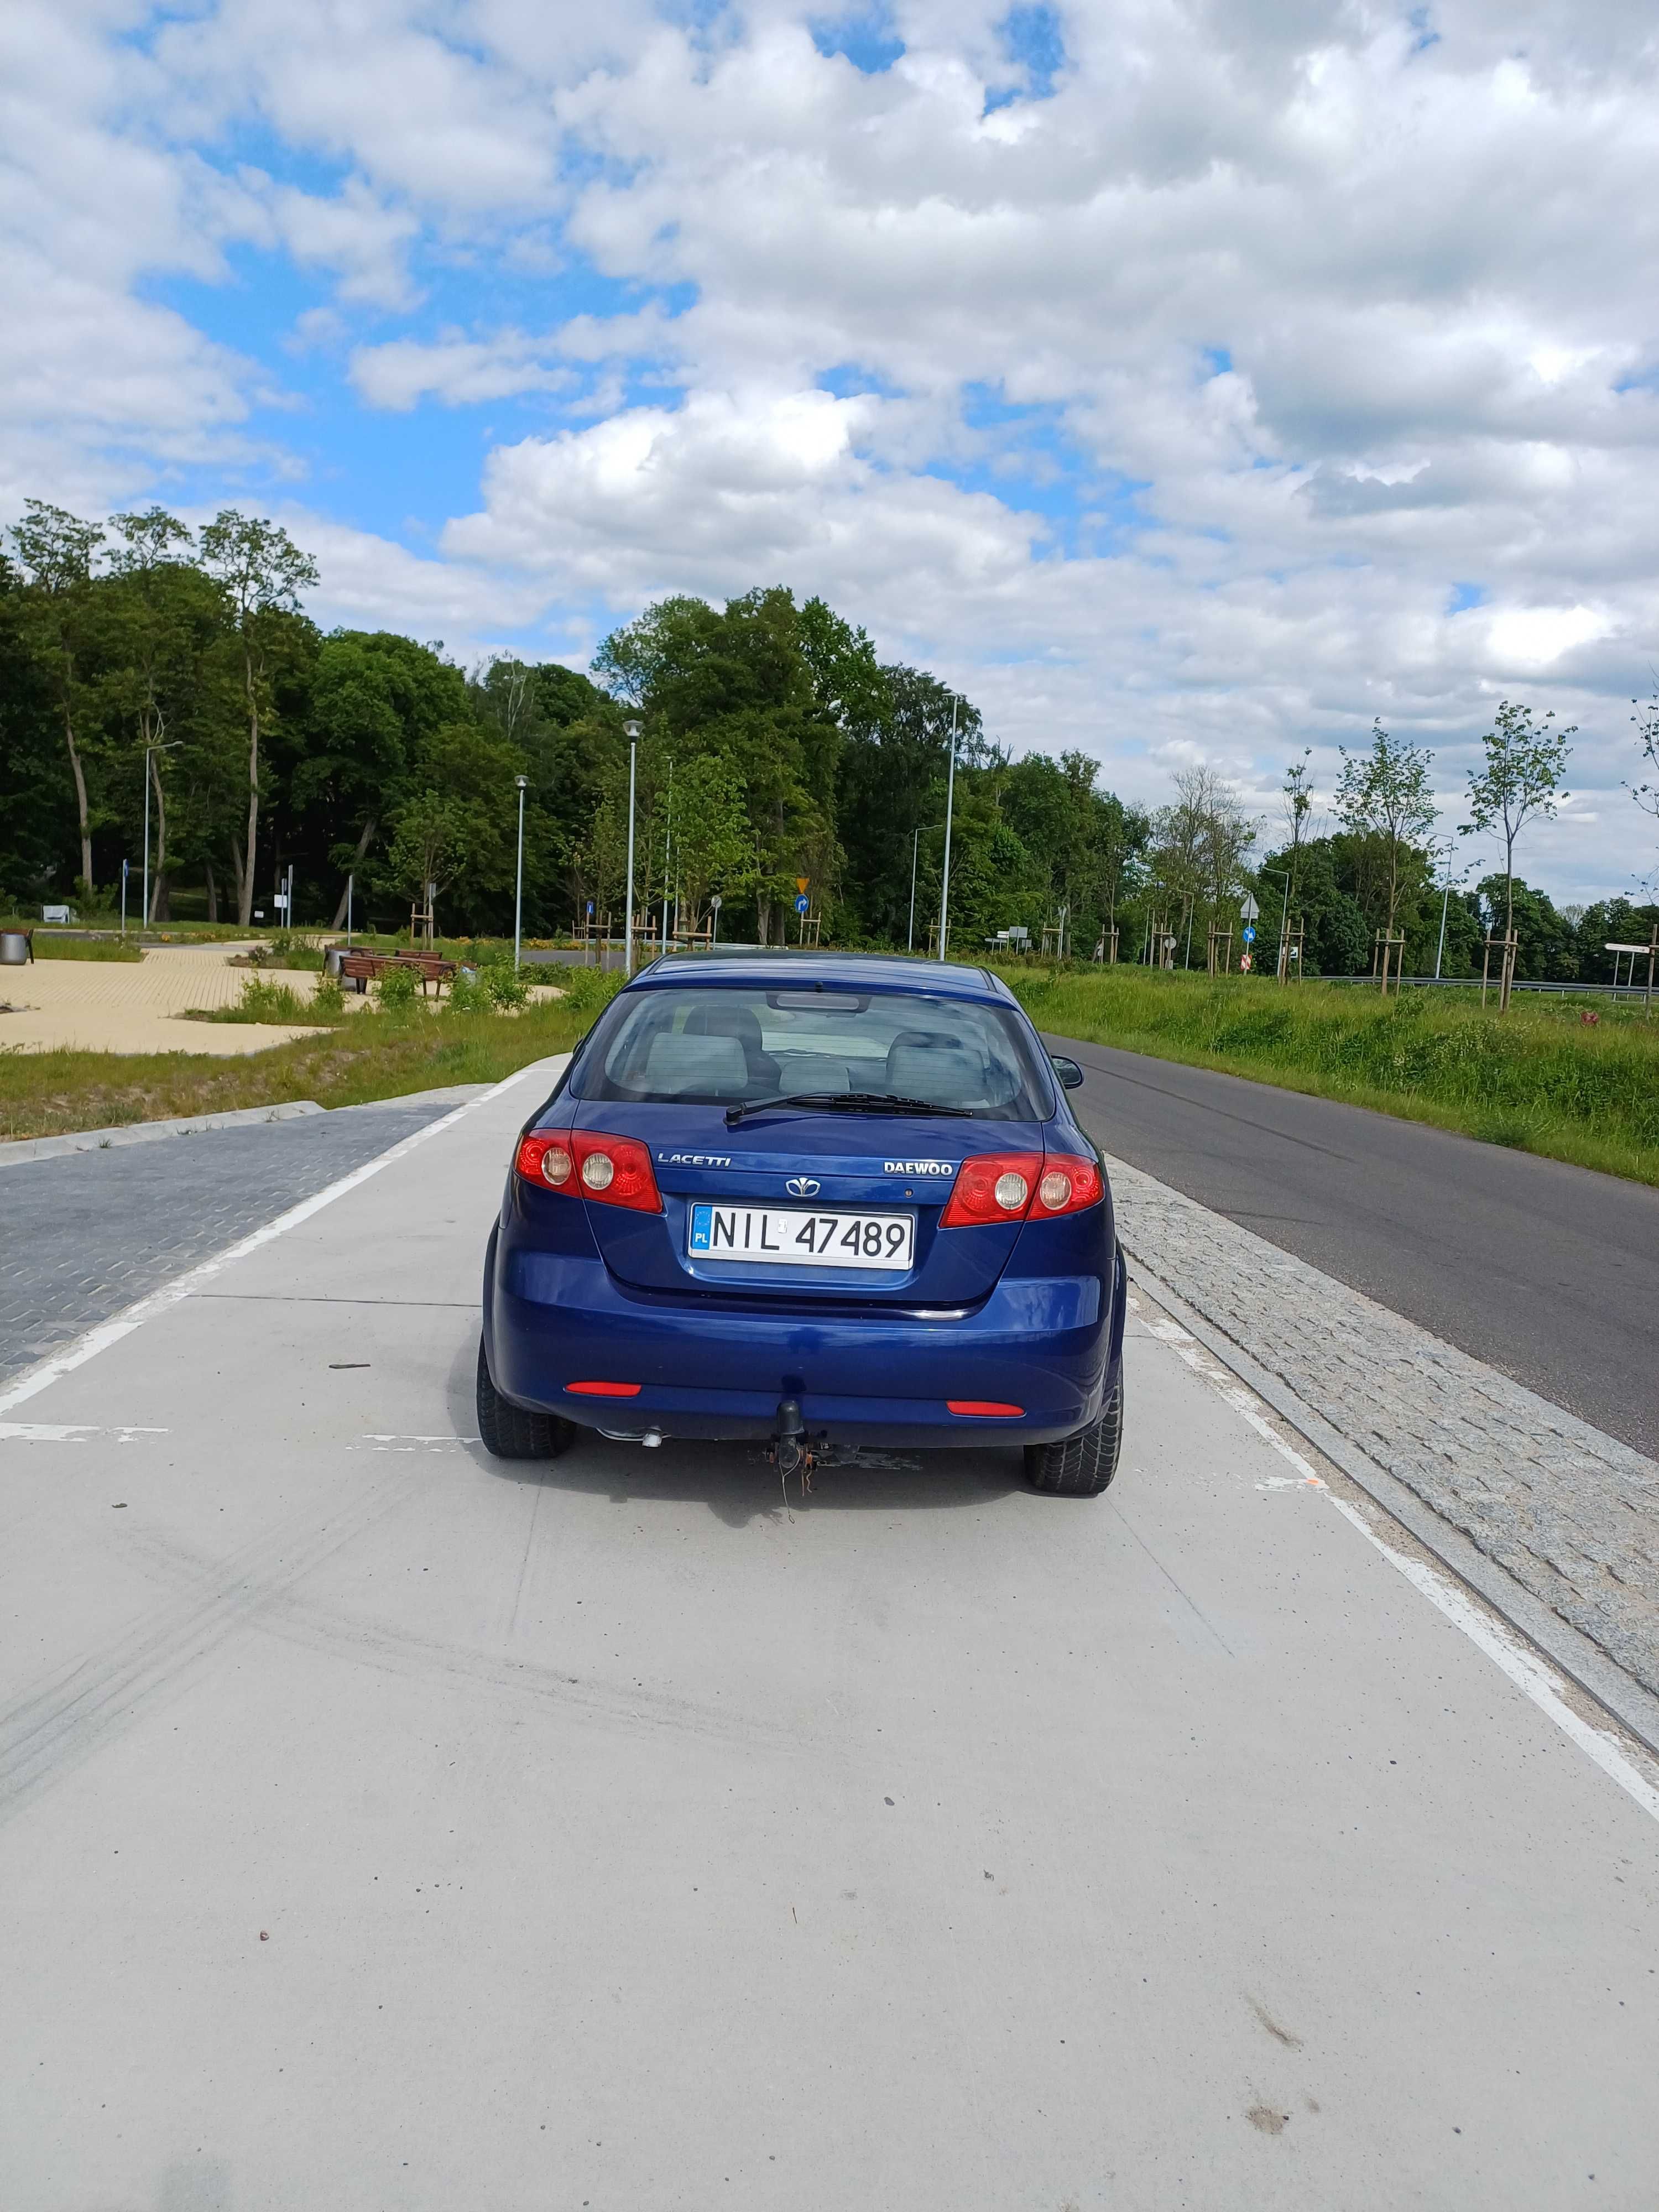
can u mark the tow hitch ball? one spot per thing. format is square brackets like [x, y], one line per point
[790, 1452]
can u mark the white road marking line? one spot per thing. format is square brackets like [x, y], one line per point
[170, 1294]
[1531, 1674]
[414, 1444]
[70, 1432]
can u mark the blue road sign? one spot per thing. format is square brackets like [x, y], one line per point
[802, 903]
[1248, 934]
[590, 909]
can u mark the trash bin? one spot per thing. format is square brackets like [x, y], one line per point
[13, 948]
[332, 960]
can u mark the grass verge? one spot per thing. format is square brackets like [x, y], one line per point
[85, 948]
[374, 1055]
[1536, 1079]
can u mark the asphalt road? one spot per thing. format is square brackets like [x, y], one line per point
[384, 1826]
[1550, 1273]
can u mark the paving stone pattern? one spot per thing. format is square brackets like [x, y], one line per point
[1571, 1513]
[83, 1236]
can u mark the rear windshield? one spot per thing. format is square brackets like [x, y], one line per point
[716, 1047]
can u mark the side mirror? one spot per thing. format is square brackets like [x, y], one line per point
[1068, 1070]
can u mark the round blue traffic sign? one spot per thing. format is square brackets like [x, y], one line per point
[1249, 934]
[802, 903]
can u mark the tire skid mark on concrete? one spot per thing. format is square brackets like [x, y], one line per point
[58, 1722]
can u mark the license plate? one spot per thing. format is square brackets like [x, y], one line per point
[785, 1237]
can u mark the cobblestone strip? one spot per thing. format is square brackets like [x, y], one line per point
[1571, 1514]
[85, 1234]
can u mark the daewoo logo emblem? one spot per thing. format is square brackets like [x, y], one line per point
[802, 1185]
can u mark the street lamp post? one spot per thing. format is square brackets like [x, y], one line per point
[1445, 900]
[518, 892]
[631, 730]
[714, 932]
[949, 809]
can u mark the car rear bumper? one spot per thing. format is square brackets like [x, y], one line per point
[716, 1369]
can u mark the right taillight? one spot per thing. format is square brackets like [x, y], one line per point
[995, 1186]
[1020, 1186]
[1066, 1185]
[588, 1163]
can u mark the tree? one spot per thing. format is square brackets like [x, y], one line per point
[1297, 788]
[56, 550]
[429, 847]
[162, 614]
[376, 698]
[1198, 846]
[1525, 762]
[1646, 795]
[737, 681]
[456, 826]
[261, 572]
[712, 850]
[1384, 795]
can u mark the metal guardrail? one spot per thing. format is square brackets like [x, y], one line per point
[1473, 983]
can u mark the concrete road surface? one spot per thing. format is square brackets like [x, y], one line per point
[1548, 1273]
[382, 1826]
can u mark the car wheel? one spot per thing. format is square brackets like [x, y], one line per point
[1081, 1466]
[512, 1431]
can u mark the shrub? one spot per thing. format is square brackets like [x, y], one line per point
[468, 994]
[506, 985]
[398, 989]
[588, 991]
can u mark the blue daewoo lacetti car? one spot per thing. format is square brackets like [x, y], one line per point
[822, 1201]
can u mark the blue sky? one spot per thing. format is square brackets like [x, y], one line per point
[1190, 385]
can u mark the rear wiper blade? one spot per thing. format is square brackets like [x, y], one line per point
[845, 1102]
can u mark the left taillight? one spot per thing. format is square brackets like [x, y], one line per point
[588, 1163]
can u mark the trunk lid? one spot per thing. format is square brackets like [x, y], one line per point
[851, 1161]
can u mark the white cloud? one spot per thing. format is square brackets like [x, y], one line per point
[733, 487]
[1531, 639]
[1360, 320]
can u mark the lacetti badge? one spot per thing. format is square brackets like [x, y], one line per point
[919, 1167]
[695, 1159]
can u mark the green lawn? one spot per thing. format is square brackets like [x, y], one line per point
[1535, 1079]
[372, 1055]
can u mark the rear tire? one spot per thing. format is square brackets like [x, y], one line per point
[512, 1431]
[1081, 1466]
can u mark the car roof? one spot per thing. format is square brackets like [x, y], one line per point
[798, 971]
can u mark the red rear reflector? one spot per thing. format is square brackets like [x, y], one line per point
[603, 1390]
[985, 1409]
[586, 1163]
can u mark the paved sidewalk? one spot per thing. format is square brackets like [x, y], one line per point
[87, 1234]
[1570, 1513]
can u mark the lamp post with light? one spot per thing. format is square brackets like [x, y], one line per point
[631, 731]
[518, 893]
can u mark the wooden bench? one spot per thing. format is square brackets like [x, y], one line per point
[365, 967]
